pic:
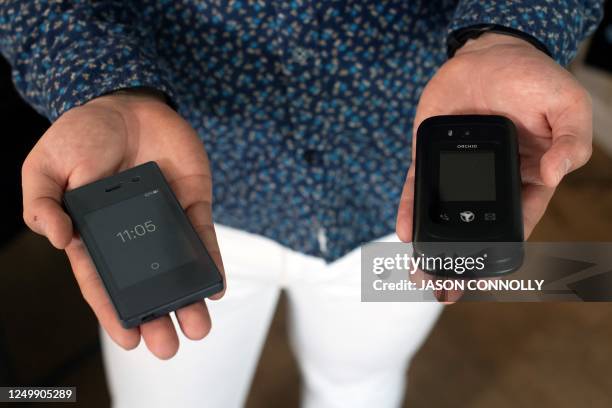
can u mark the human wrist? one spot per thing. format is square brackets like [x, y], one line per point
[489, 40]
[141, 93]
[132, 98]
[131, 104]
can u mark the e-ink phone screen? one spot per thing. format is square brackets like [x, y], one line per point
[139, 238]
[467, 175]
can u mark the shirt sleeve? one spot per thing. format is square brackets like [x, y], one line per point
[64, 53]
[558, 24]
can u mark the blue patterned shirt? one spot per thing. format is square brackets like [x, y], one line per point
[305, 107]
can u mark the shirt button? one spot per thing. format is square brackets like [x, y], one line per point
[313, 157]
[322, 238]
[300, 55]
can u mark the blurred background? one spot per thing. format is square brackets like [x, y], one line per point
[478, 355]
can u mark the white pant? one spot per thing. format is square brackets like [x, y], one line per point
[351, 354]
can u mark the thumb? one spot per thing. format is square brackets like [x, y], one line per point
[572, 138]
[567, 153]
[42, 210]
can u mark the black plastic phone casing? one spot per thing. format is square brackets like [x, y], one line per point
[495, 226]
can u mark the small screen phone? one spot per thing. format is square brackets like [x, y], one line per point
[468, 188]
[147, 253]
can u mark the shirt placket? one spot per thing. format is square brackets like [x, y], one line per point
[300, 66]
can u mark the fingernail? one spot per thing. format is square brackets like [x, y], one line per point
[564, 168]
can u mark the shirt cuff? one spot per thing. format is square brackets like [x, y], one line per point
[72, 84]
[458, 38]
[559, 25]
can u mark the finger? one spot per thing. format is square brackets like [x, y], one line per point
[95, 295]
[209, 237]
[192, 185]
[567, 153]
[200, 215]
[42, 211]
[447, 297]
[535, 201]
[160, 337]
[572, 134]
[194, 320]
[403, 226]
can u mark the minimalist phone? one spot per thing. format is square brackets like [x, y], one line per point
[147, 253]
[468, 190]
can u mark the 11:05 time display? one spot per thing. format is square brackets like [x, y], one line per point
[137, 231]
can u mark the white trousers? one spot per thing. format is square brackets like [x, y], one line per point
[351, 354]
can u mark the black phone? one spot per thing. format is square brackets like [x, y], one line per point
[468, 191]
[148, 255]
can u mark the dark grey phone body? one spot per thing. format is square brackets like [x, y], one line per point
[468, 190]
[147, 253]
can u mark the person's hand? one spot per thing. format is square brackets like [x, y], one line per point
[500, 74]
[104, 136]
[504, 75]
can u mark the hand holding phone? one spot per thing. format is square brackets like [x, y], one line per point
[99, 139]
[502, 75]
